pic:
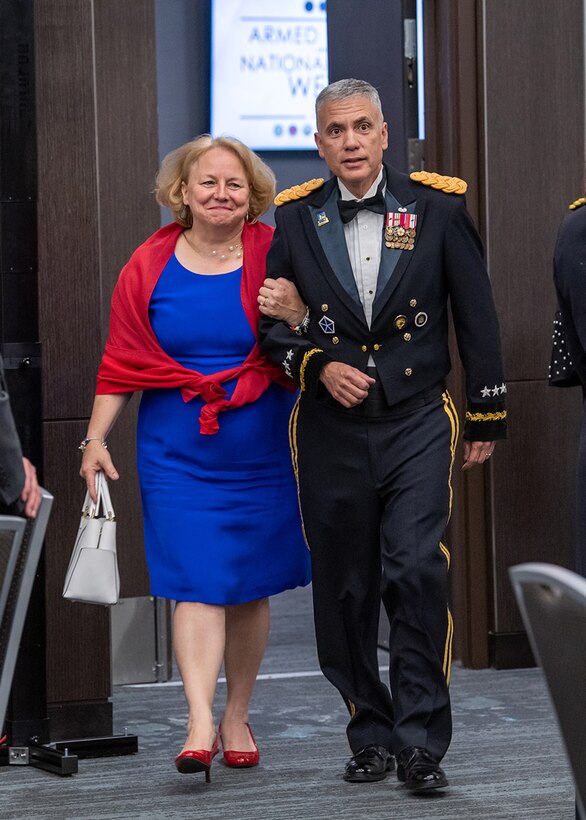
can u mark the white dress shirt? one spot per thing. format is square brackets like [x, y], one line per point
[364, 237]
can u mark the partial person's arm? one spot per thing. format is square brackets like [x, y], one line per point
[96, 456]
[569, 267]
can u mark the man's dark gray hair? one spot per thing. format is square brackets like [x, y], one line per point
[342, 89]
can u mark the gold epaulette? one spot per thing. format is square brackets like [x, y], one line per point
[450, 185]
[298, 191]
[577, 203]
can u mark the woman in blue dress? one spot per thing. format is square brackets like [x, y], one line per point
[221, 514]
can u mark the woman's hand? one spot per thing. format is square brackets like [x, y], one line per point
[107, 407]
[95, 458]
[279, 299]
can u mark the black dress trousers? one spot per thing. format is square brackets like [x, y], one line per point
[375, 495]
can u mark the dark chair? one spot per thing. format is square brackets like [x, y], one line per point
[552, 601]
[21, 541]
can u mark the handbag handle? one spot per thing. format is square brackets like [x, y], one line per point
[91, 509]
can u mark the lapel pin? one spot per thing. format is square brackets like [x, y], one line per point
[322, 219]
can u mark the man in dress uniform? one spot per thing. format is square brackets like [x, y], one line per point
[376, 256]
[570, 282]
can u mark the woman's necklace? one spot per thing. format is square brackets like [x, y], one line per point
[235, 249]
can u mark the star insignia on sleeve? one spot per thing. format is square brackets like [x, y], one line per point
[485, 392]
[285, 363]
[496, 390]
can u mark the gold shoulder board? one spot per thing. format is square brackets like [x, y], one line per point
[577, 203]
[298, 191]
[450, 185]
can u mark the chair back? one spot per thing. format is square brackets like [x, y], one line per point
[552, 601]
[21, 542]
[12, 529]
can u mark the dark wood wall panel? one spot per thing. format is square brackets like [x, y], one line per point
[98, 155]
[533, 485]
[69, 282]
[78, 634]
[451, 93]
[453, 147]
[534, 166]
[126, 94]
[505, 110]
[535, 162]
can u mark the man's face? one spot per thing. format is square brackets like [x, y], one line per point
[351, 137]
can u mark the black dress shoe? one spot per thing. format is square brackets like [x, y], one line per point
[369, 765]
[417, 769]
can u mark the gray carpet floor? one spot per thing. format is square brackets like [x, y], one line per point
[506, 760]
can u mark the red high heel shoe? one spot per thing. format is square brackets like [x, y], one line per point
[241, 760]
[190, 762]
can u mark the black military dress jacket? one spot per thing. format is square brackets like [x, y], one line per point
[408, 336]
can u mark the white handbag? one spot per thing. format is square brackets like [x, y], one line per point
[92, 575]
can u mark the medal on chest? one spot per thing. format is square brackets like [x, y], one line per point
[400, 230]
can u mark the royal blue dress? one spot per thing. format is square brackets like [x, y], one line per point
[221, 512]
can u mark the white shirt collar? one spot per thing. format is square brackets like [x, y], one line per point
[345, 193]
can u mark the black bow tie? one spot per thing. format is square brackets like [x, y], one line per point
[350, 207]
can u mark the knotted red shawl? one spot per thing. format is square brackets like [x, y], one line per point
[133, 358]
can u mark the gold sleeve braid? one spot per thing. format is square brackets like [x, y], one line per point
[449, 185]
[306, 358]
[486, 416]
[298, 191]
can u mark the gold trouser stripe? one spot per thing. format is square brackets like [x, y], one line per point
[294, 457]
[446, 552]
[452, 415]
[448, 649]
[293, 437]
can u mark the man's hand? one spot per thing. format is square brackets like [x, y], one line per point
[31, 492]
[477, 452]
[279, 299]
[345, 383]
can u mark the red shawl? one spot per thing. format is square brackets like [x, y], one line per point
[133, 358]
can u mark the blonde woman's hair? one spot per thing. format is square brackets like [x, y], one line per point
[177, 165]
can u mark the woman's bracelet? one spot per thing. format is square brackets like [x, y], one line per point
[84, 443]
[303, 324]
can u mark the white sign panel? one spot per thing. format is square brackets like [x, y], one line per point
[269, 63]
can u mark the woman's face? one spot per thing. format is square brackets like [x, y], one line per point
[217, 190]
